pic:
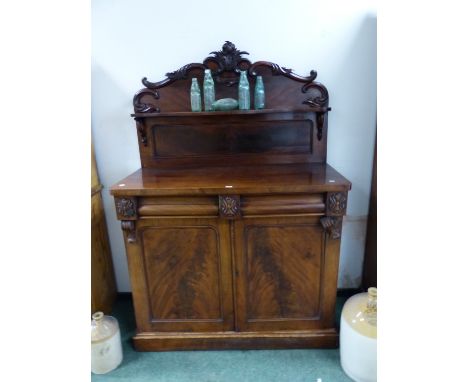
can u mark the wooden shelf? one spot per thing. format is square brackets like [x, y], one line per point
[230, 112]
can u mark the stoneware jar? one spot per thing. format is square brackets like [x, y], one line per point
[106, 347]
[358, 337]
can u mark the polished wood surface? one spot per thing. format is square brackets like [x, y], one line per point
[278, 273]
[246, 138]
[307, 178]
[233, 224]
[103, 287]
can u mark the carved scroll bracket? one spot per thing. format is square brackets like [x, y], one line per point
[126, 208]
[141, 107]
[332, 225]
[318, 102]
[129, 227]
[229, 206]
[141, 131]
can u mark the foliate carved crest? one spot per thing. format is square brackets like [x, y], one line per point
[336, 203]
[228, 58]
[126, 208]
[332, 225]
[229, 206]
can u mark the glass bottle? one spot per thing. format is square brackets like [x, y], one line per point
[259, 98]
[106, 347]
[358, 336]
[244, 91]
[208, 90]
[195, 96]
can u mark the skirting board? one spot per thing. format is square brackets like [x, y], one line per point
[236, 340]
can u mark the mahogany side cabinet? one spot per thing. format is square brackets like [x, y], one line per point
[233, 223]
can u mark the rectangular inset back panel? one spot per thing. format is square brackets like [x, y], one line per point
[219, 138]
[232, 138]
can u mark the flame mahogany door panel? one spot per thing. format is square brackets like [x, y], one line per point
[280, 266]
[184, 277]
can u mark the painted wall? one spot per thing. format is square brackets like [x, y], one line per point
[136, 38]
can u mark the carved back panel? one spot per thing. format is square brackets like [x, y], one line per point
[167, 127]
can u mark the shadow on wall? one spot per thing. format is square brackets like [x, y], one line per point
[115, 143]
[353, 154]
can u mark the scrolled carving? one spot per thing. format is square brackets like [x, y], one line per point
[126, 208]
[336, 203]
[230, 60]
[332, 225]
[178, 74]
[281, 70]
[129, 227]
[229, 206]
[141, 107]
[317, 101]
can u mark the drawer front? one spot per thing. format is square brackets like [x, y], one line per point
[231, 206]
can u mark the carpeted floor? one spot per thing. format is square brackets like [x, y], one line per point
[309, 365]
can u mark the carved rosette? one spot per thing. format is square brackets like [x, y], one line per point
[126, 208]
[332, 226]
[229, 206]
[336, 203]
[128, 226]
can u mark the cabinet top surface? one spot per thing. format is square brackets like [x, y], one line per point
[265, 179]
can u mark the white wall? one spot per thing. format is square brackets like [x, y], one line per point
[136, 38]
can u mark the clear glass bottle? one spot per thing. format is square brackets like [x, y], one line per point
[244, 91]
[195, 96]
[208, 91]
[358, 336]
[259, 97]
[106, 346]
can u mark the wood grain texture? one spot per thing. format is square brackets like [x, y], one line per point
[283, 271]
[252, 137]
[232, 241]
[182, 269]
[243, 180]
[326, 338]
[103, 285]
[279, 267]
[185, 267]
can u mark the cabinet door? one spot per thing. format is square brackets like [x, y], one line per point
[181, 275]
[281, 266]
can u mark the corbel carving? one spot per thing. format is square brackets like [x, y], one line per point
[336, 203]
[126, 208]
[332, 225]
[141, 131]
[129, 227]
[229, 206]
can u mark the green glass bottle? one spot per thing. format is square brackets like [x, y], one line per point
[259, 97]
[208, 91]
[195, 96]
[244, 91]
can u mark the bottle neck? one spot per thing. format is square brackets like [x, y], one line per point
[98, 318]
